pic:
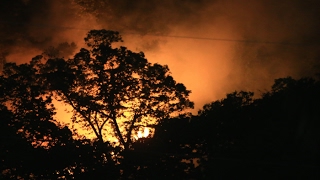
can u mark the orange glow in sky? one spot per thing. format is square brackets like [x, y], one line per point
[209, 68]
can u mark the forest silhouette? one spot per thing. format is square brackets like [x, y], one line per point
[116, 92]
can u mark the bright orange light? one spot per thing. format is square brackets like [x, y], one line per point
[143, 134]
[146, 132]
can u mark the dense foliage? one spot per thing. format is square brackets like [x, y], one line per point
[274, 136]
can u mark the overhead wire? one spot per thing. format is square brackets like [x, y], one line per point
[164, 35]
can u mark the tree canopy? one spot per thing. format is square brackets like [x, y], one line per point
[114, 86]
[116, 92]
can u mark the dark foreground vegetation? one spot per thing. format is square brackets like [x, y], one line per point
[275, 136]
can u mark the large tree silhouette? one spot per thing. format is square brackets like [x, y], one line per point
[107, 85]
[272, 136]
[29, 133]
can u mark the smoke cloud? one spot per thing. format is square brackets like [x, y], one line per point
[245, 44]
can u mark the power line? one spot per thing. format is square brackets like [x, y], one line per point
[222, 39]
[165, 36]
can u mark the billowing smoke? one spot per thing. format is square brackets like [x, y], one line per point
[212, 46]
[285, 41]
[29, 27]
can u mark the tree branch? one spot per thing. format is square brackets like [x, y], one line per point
[135, 117]
[82, 114]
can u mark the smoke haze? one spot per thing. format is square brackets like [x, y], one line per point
[259, 40]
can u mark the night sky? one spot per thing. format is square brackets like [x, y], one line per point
[212, 46]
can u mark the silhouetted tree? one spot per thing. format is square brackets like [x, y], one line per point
[272, 136]
[115, 86]
[294, 106]
[238, 136]
[168, 154]
[28, 130]
[105, 86]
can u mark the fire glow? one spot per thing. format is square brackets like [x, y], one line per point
[144, 134]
